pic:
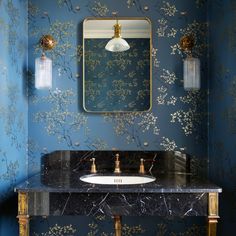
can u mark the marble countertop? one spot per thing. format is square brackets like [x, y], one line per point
[65, 181]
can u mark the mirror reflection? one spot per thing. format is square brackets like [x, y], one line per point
[117, 73]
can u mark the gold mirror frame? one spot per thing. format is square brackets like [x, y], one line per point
[118, 18]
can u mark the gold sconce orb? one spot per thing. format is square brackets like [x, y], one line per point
[187, 42]
[47, 42]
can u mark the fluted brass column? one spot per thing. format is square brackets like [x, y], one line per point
[23, 216]
[118, 226]
[213, 213]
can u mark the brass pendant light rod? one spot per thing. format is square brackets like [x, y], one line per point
[117, 26]
[117, 30]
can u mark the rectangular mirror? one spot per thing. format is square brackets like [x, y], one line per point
[117, 64]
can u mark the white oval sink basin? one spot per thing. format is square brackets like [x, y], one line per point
[117, 180]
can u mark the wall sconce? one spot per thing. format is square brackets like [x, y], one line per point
[117, 43]
[192, 73]
[43, 65]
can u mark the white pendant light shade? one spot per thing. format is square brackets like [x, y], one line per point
[192, 74]
[43, 73]
[117, 45]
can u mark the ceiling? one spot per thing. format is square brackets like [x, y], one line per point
[103, 28]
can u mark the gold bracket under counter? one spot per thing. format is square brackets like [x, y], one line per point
[213, 213]
[23, 216]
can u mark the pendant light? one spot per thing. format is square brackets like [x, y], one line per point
[43, 64]
[117, 43]
[191, 67]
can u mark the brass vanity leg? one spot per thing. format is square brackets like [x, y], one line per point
[23, 216]
[118, 227]
[213, 214]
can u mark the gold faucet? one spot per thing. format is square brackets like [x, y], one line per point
[141, 167]
[117, 165]
[93, 166]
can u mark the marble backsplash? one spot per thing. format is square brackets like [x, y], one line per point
[156, 162]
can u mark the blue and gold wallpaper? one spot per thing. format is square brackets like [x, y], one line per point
[56, 120]
[177, 120]
[13, 107]
[222, 86]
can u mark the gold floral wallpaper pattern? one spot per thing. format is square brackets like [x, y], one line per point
[13, 107]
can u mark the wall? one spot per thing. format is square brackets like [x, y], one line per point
[177, 121]
[13, 108]
[223, 108]
[57, 119]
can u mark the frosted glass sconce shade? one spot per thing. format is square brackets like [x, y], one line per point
[43, 65]
[43, 73]
[192, 74]
[117, 45]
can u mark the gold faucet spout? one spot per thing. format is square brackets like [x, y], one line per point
[93, 166]
[141, 167]
[117, 165]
